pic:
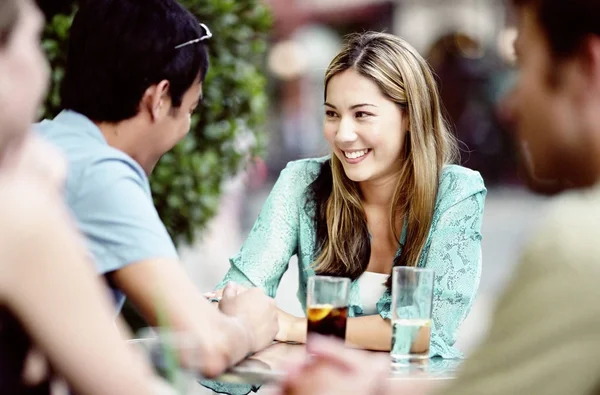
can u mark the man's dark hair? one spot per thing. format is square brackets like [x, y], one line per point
[52, 7]
[119, 48]
[565, 22]
[9, 16]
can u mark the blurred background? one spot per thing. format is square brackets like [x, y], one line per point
[288, 44]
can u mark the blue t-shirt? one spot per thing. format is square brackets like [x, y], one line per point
[109, 194]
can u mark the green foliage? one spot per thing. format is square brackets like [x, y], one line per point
[227, 129]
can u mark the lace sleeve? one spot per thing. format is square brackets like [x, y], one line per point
[453, 251]
[273, 240]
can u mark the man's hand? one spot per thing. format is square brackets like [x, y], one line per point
[233, 288]
[336, 370]
[256, 312]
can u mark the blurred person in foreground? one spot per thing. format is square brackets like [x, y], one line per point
[545, 337]
[129, 91]
[388, 195]
[50, 297]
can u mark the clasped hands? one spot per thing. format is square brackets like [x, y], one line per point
[291, 328]
[331, 369]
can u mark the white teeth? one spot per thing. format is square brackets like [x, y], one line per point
[356, 154]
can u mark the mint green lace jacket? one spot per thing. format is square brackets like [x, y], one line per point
[453, 249]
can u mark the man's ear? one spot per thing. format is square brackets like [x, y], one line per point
[156, 99]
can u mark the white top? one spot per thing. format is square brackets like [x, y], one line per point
[371, 286]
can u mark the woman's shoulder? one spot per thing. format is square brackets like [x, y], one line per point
[458, 183]
[303, 172]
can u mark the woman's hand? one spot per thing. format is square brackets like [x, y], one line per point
[291, 328]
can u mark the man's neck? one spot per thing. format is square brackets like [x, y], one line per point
[125, 136]
[584, 171]
[582, 168]
[595, 157]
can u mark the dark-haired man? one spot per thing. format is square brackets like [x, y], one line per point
[545, 337]
[134, 76]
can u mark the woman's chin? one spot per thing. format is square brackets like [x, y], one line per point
[356, 175]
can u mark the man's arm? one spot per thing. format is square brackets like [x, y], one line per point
[132, 247]
[47, 283]
[222, 340]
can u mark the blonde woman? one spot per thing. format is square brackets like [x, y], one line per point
[387, 196]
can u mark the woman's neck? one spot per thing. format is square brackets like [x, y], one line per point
[377, 203]
[380, 192]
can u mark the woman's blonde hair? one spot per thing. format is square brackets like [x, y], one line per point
[405, 78]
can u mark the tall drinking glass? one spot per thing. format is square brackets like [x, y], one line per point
[327, 305]
[412, 298]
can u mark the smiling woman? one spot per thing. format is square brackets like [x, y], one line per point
[372, 80]
[387, 196]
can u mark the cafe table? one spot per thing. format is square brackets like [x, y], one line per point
[268, 367]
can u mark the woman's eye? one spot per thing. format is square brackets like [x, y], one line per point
[361, 114]
[330, 114]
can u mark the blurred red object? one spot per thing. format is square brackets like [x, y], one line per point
[256, 173]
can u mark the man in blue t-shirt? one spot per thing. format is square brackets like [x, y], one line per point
[134, 76]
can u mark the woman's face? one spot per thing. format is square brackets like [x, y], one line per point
[23, 75]
[364, 128]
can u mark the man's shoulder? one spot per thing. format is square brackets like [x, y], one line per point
[569, 230]
[576, 203]
[574, 213]
[102, 170]
[83, 157]
[84, 146]
[92, 163]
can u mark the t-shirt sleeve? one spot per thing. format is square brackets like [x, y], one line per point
[115, 212]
